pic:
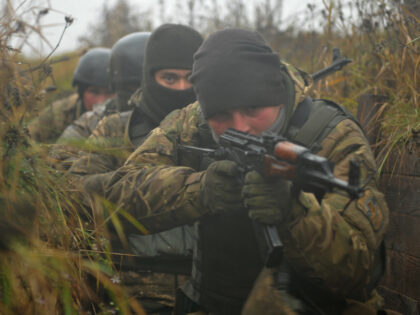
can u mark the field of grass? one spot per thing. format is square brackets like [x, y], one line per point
[53, 257]
[383, 40]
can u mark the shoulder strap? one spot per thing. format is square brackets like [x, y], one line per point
[314, 120]
[138, 127]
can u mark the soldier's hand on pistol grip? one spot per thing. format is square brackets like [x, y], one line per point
[267, 200]
[220, 187]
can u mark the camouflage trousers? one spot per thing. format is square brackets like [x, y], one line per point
[154, 291]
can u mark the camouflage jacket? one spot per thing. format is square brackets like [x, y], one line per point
[104, 150]
[53, 119]
[332, 242]
[108, 147]
[82, 127]
[110, 144]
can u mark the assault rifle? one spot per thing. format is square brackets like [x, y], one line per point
[274, 156]
[337, 64]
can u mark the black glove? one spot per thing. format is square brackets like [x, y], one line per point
[220, 187]
[268, 201]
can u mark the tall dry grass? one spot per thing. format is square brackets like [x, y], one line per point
[53, 255]
[53, 259]
[382, 37]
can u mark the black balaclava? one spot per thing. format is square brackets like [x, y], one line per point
[124, 93]
[235, 68]
[170, 46]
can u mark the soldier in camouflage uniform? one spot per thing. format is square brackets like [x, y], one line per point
[91, 79]
[126, 72]
[165, 87]
[168, 54]
[331, 243]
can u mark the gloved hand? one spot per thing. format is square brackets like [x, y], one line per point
[220, 187]
[268, 200]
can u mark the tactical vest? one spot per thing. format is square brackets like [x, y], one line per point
[165, 252]
[227, 259]
[138, 127]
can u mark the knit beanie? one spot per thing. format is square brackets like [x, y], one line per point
[235, 68]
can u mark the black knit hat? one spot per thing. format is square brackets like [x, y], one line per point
[235, 68]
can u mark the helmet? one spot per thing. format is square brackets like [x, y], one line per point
[92, 68]
[127, 55]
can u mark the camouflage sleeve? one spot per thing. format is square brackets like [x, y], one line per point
[334, 241]
[151, 187]
[104, 149]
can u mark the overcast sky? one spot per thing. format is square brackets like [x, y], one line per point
[86, 12]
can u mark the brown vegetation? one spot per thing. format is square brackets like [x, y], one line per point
[51, 252]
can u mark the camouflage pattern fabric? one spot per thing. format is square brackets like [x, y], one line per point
[109, 145]
[332, 242]
[106, 150]
[73, 141]
[53, 119]
[82, 127]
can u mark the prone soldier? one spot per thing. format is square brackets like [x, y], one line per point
[332, 242]
[165, 87]
[125, 71]
[91, 79]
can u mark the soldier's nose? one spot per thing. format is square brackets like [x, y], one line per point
[184, 84]
[240, 122]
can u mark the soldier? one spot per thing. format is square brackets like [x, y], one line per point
[126, 72]
[91, 79]
[331, 242]
[165, 87]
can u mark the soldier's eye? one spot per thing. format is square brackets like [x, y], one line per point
[251, 111]
[170, 78]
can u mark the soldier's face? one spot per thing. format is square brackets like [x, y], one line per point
[176, 79]
[95, 95]
[253, 120]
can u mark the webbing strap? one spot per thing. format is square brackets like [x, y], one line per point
[317, 122]
[137, 128]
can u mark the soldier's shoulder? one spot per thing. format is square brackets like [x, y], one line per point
[183, 124]
[116, 118]
[347, 129]
[89, 120]
[85, 117]
[188, 115]
[347, 139]
[112, 125]
[193, 109]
